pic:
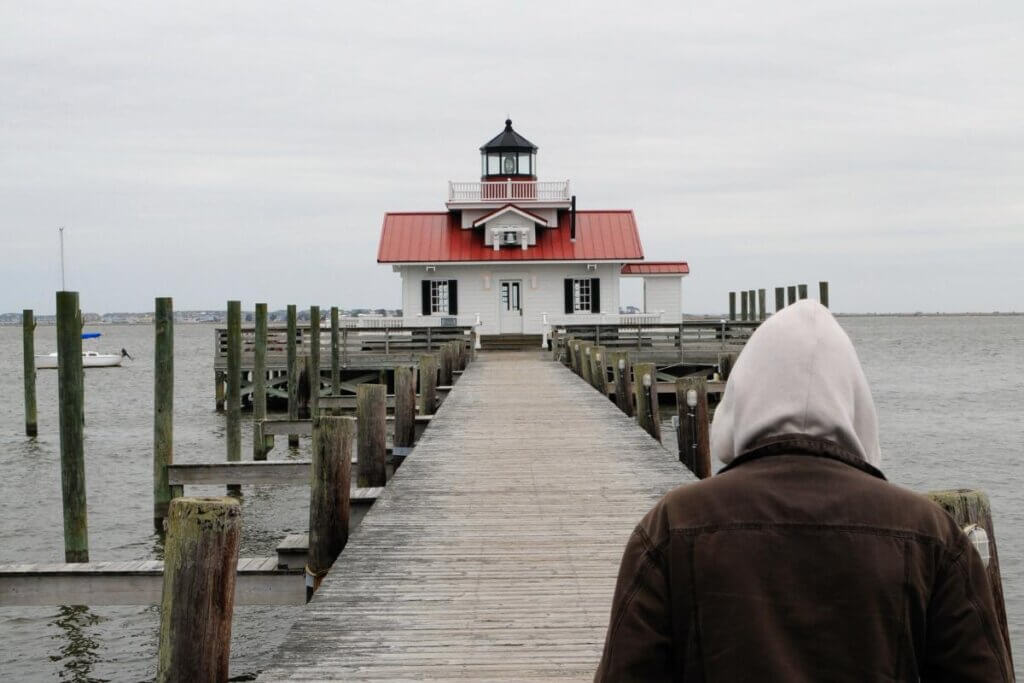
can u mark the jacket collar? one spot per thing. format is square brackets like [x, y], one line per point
[802, 444]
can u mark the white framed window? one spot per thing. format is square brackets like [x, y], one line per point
[439, 296]
[581, 296]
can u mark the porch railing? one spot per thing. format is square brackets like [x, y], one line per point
[509, 190]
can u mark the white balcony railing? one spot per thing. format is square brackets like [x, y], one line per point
[509, 190]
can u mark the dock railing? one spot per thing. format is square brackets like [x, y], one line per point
[638, 334]
[359, 339]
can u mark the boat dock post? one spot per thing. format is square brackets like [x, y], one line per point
[335, 359]
[293, 373]
[72, 417]
[233, 437]
[694, 426]
[329, 496]
[371, 423]
[28, 343]
[313, 365]
[163, 408]
[644, 378]
[198, 597]
[259, 381]
[823, 293]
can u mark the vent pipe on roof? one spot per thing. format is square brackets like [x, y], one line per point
[572, 219]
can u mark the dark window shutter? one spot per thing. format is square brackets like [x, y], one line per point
[595, 295]
[568, 295]
[453, 297]
[426, 297]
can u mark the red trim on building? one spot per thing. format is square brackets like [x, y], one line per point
[439, 238]
[657, 268]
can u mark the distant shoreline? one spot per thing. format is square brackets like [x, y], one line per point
[7, 320]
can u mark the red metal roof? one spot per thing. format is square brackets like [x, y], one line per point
[439, 238]
[657, 268]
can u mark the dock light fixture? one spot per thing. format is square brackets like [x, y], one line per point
[979, 539]
[431, 269]
[591, 266]
[587, 350]
[691, 398]
[622, 364]
[598, 358]
[647, 381]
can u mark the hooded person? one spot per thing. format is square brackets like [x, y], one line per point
[798, 561]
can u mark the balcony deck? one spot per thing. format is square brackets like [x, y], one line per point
[555, 193]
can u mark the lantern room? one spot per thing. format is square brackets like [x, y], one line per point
[508, 156]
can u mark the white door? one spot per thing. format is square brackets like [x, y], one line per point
[510, 308]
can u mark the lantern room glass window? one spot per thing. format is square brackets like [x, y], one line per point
[508, 163]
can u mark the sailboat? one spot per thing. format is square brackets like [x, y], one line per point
[90, 359]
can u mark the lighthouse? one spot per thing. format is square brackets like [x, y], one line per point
[517, 253]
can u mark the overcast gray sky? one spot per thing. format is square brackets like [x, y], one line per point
[210, 151]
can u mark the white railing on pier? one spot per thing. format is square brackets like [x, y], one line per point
[606, 319]
[381, 322]
[509, 190]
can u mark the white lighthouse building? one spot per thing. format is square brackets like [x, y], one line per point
[516, 252]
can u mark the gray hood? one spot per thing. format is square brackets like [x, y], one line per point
[798, 374]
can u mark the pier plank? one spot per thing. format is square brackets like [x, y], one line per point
[137, 582]
[493, 553]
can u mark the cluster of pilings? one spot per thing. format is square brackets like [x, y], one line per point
[203, 534]
[633, 386]
[754, 304]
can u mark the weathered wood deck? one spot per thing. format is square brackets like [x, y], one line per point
[493, 553]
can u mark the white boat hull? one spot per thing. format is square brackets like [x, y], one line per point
[90, 359]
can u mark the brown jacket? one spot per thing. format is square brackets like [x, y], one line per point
[799, 562]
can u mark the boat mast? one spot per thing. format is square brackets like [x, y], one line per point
[61, 231]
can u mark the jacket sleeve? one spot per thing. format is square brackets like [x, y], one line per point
[638, 645]
[964, 642]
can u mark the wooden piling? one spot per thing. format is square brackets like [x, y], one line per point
[598, 370]
[314, 361]
[163, 408]
[428, 383]
[743, 306]
[405, 407]
[586, 364]
[970, 509]
[780, 298]
[823, 293]
[330, 486]
[71, 410]
[371, 413]
[28, 345]
[801, 291]
[619, 360]
[726, 361]
[693, 436]
[259, 383]
[753, 304]
[732, 305]
[293, 372]
[445, 354]
[198, 599]
[335, 357]
[234, 395]
[790, 295]
[574, 357]
[218, 389]
[762, 304]
[645, 378]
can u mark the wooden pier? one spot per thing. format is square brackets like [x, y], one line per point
[494, 550]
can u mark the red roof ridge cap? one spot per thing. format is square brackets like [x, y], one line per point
[416, 213]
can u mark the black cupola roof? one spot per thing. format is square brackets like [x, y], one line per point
[509, 141]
